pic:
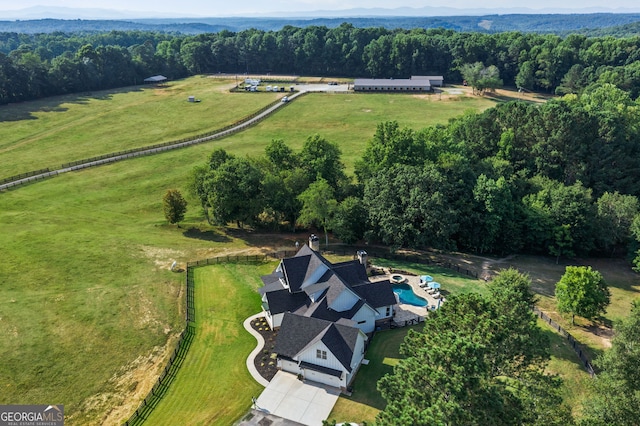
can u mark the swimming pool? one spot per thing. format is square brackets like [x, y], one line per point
[406, 295]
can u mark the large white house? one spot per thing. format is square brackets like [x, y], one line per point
[324, 312]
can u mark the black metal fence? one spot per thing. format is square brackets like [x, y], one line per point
[175, 361]
[165, 379]
[186, 337]
[404, 257]
[416, 258]
[576, 345]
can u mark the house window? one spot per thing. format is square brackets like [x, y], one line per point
[362, 322]
[388, 310]
[321, 354]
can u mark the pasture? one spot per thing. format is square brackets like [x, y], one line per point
[88, 306]
[214, 369]
[49, 132]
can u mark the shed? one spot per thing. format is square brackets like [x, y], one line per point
[155, 79]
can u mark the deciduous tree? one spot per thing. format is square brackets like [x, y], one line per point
[582, 291]
[318, 206]
[350, 220]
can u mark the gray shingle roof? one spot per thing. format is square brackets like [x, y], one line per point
[352, 272]
[387, 83]
[298, 332]
[321, 310]
[295, 269]
[377, 294]
[282, 301]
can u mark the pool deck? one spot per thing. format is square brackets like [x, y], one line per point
[407, 313]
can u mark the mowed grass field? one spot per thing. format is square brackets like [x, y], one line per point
[88, 306]
[49, 132]
[213, 386]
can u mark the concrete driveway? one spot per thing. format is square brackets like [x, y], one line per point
[307, 403]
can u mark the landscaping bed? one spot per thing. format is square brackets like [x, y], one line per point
[265, 361]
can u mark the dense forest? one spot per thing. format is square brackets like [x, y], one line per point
[558, 179]
[34, 66]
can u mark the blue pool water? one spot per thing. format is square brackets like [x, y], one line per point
[406, 295]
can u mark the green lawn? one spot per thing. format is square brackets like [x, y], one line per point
[566, 364]
[86, 289]
[452, 282]
[349, 120]
[623, 283]
[366, 401]
[88, 306]
[213, 386]
[544, 273]
[53, 131]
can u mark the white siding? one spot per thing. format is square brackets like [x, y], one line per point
[358, 356]
[358, 352]
[345, 301]
[315, 290]
[276, 320]
[269, 318]
[309, 355]
[367, 315]
[383, 312]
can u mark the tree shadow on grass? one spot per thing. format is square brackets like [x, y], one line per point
[26, 110]
[206, 235]
[562, 349]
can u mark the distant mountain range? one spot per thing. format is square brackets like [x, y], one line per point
[55, 12]
[487, 23]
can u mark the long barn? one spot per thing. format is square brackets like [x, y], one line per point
[413, 84]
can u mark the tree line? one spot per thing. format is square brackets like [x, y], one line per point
[34, 66]
[559, 179]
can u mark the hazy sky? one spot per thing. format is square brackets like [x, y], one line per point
[226, 8]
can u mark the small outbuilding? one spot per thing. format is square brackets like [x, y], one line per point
[155, 79]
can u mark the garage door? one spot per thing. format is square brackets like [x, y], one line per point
[319, 377]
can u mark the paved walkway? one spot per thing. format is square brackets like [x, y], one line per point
[250, 364]
[406, 313]
[286, 400]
